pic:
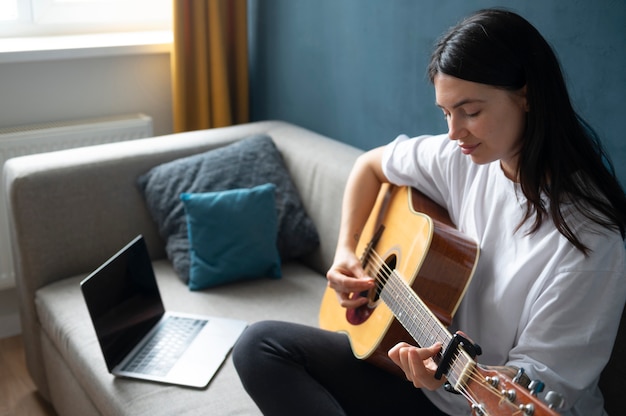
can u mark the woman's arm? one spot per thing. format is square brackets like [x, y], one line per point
[346, 276]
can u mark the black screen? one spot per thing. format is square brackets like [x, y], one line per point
[123, 300]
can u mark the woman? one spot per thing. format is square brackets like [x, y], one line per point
[525, 177]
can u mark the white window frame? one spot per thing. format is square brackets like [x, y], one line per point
[67, 17]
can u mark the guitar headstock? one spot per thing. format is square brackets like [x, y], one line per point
[494, 391]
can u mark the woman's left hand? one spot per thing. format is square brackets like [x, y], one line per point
[417, 364]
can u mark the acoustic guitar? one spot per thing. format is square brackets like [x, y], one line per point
[422, 266]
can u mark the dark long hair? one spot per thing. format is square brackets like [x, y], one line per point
[561, 156]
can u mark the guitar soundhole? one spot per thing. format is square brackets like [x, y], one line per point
[361, 314]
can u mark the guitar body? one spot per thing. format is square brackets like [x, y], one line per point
[421, 243]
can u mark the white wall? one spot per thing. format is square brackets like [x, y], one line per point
[70, 89]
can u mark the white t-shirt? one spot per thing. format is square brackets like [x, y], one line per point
[535, 301]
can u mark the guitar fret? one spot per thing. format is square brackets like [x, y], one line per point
[424, 327]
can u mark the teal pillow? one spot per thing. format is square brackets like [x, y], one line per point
[232, 235]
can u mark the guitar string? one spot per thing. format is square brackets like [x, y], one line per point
[457, 373]
[379, 264]
[442, 334]
[491, 389]
[458, 366]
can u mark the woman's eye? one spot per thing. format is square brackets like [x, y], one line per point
[472, 115]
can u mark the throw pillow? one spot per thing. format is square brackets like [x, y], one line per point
[244, 164]
[232, 235]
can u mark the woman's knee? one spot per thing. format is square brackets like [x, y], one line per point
[253, 344]
[248, 342]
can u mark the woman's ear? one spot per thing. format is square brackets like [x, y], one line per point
[524, 97]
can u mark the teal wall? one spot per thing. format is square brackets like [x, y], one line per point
[355, 70]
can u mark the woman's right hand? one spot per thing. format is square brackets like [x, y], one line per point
[348, 279]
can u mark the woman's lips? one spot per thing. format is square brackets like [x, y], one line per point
[468, 149]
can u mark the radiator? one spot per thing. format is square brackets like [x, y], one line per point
[40, 138]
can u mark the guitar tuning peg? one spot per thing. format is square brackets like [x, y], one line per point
[527, 409]
[521, 378]
[554, 400]
[536, 387]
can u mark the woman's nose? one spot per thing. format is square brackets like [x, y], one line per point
[456, 128]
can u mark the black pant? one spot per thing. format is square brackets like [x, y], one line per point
[290, 369]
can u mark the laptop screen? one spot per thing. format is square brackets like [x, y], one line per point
[123, 300]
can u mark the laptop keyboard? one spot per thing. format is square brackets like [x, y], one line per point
[160, 353]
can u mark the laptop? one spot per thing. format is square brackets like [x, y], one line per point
[139, 338]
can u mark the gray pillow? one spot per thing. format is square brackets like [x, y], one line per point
[247, 163]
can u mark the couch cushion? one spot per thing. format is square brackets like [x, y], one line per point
[250, 162]
[65, 321]
[232, 235]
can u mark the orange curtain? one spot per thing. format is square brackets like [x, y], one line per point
[209, 64]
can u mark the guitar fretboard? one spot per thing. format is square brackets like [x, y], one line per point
[423, 325]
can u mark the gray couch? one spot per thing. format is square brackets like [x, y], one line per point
[73, 209]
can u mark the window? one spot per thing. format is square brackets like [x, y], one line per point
[62, 17]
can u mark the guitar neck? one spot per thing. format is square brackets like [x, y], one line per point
[423, 326]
